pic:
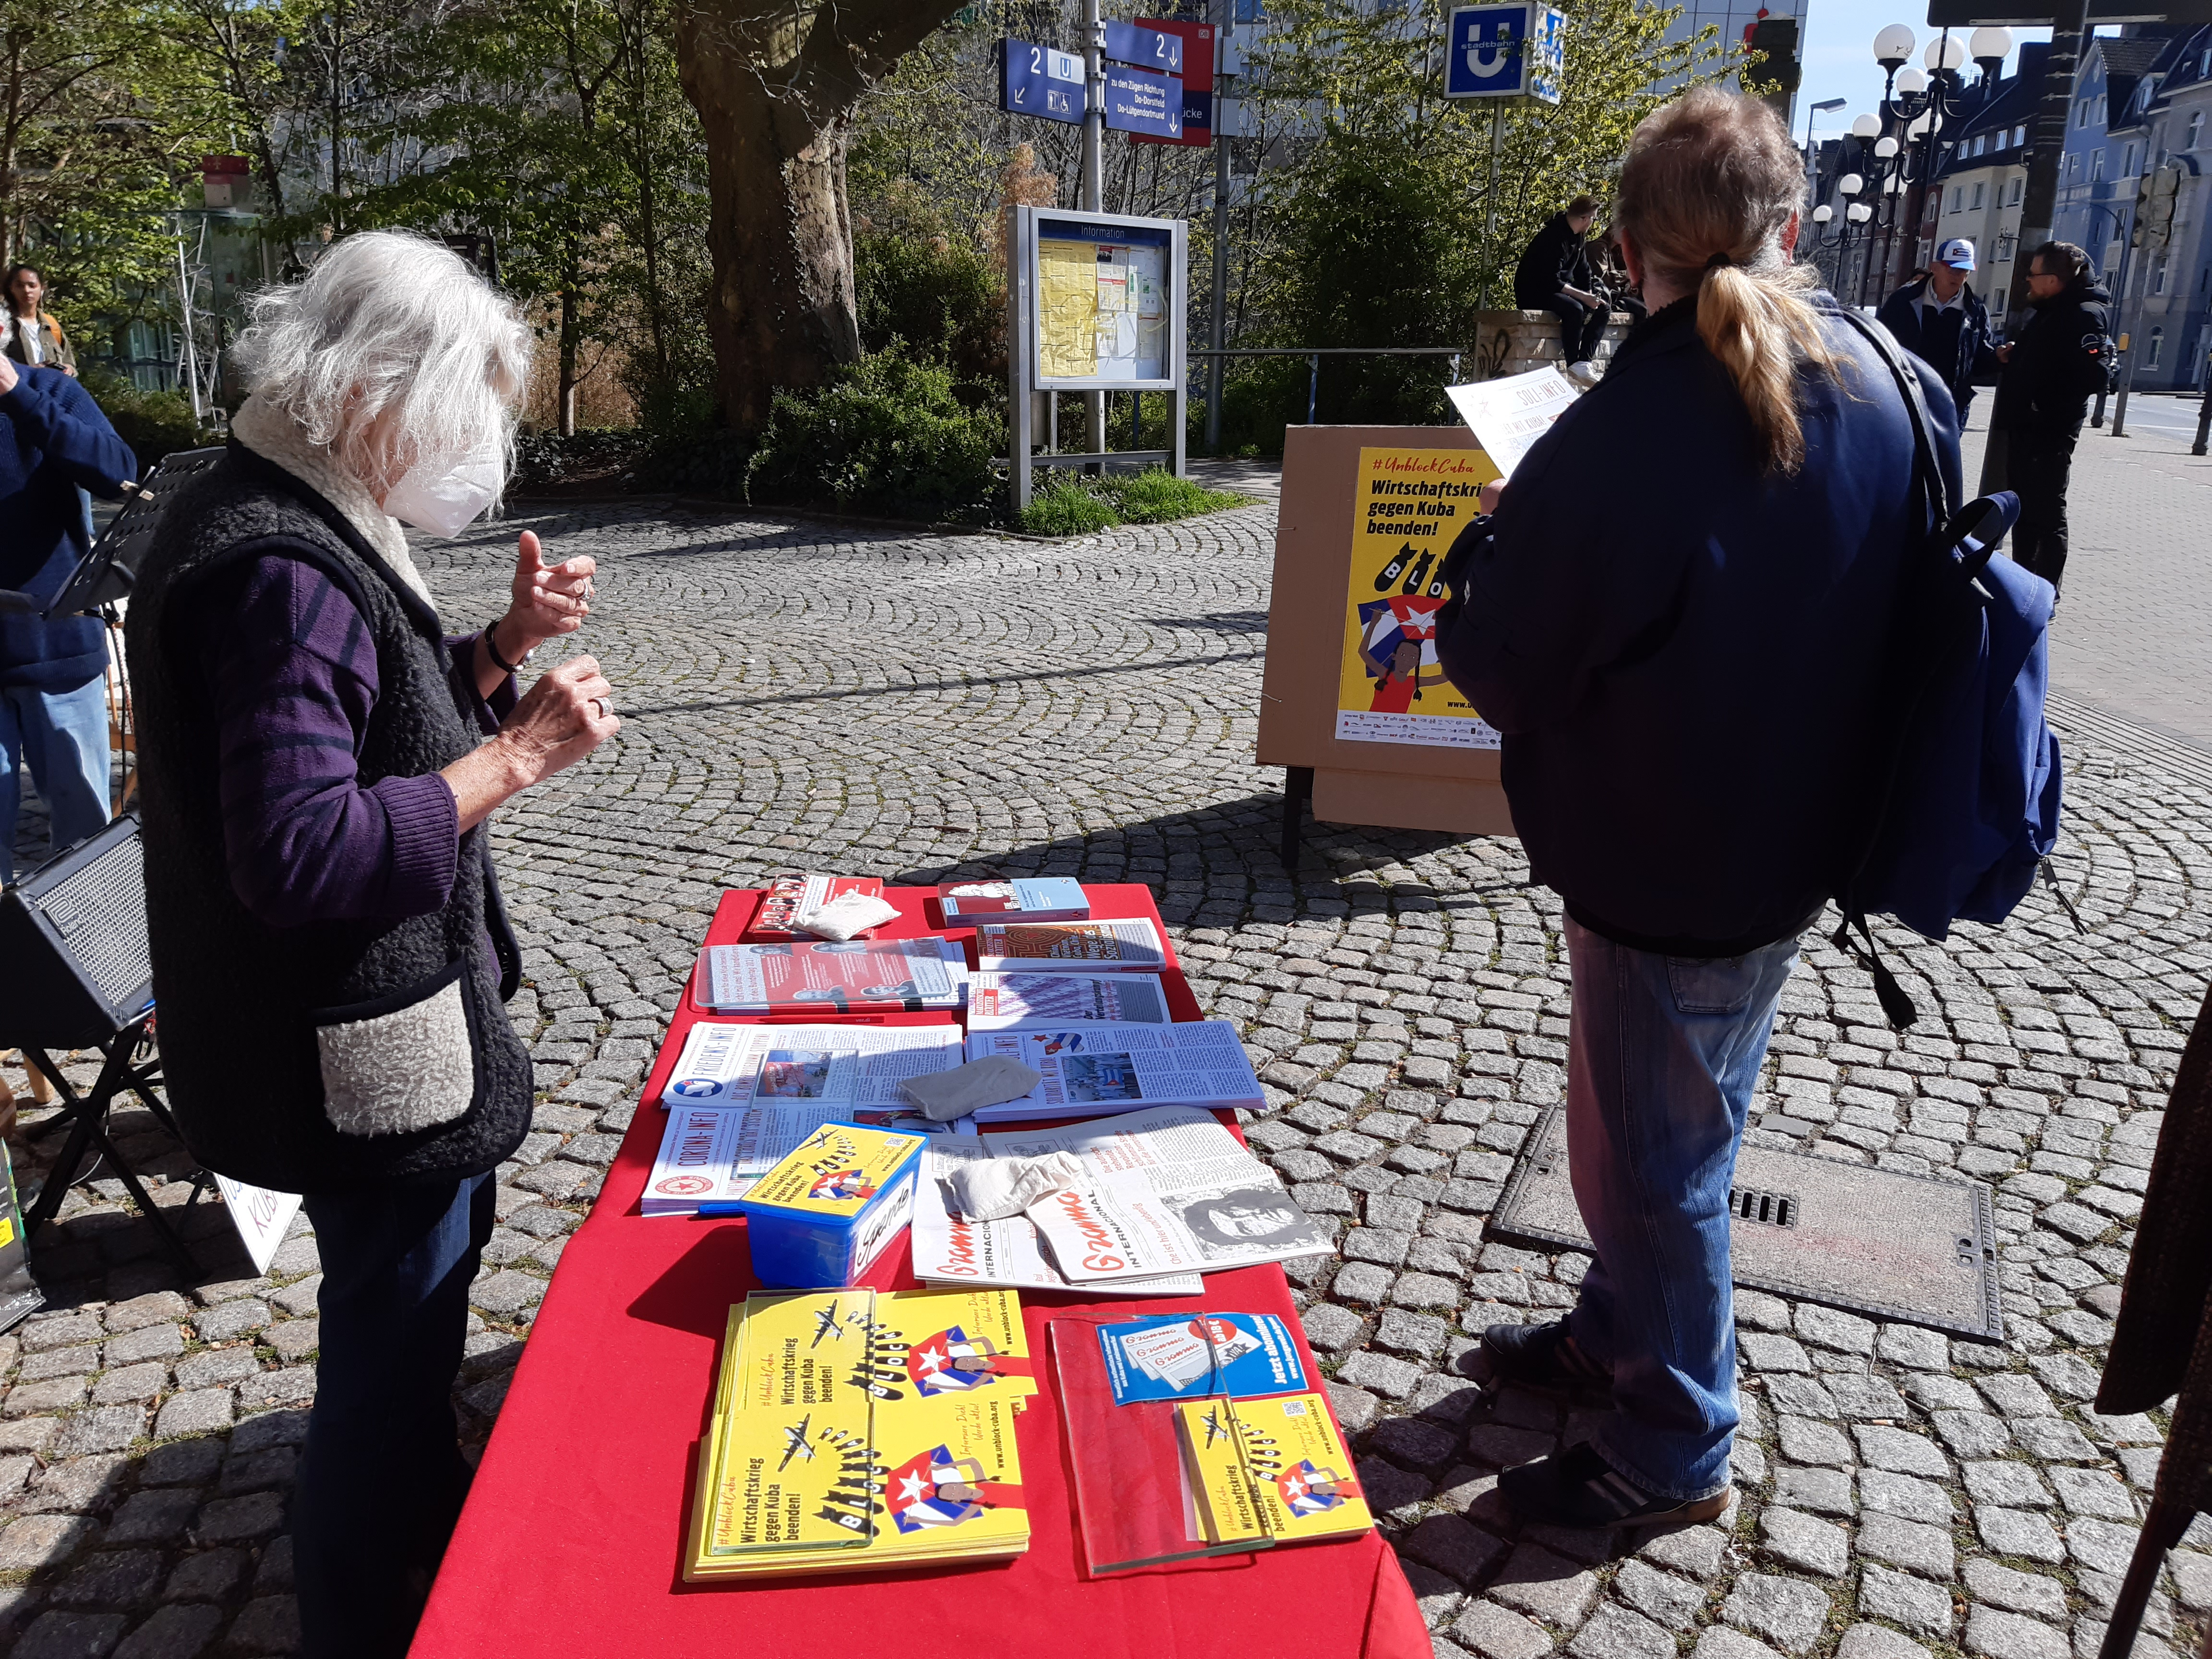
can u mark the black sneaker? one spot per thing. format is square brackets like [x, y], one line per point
[1543, 1357]
[1579, 1488]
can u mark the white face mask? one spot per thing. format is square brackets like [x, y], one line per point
[445, 506]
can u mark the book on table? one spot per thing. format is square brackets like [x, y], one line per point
[861, 1432]
[792, 895]
[1108, 1067]
[824, 976]
[1076, 947]
[1026, 1001]
[1041, 898]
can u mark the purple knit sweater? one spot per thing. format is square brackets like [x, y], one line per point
[291, 674]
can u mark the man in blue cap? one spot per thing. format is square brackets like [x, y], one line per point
[53, 698]
[1940, 319]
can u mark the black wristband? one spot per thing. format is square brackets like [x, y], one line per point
[491, 649]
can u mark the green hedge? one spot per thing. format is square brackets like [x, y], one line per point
[153, 423]
[1076, 506]
[886, 435]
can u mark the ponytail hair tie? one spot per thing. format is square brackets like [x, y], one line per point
[1717, 261]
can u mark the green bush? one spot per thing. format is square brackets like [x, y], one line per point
[1076, 506]
[942, 300]
[153, 423]
[886, 435]
[1065, 509]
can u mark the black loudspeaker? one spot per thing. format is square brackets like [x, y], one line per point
[74, 965]
[106, 573]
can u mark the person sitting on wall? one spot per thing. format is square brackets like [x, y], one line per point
[1554, 276]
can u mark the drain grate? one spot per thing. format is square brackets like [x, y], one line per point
[1875, 1242]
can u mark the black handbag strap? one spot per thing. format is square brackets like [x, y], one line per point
[1930, 469]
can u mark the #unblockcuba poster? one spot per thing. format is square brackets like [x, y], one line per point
[1410, 506]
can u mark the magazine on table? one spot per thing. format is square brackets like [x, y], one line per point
[713, 1154]
[1078, 947]
[953, 1251]
[1167, 1190]
[1101, 1070]
[1009, 1002]
[1043, 898]
[1170, 1355]
[823, 976]
[795, 893]
[839, 1067]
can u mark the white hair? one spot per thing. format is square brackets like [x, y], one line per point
[391, 323]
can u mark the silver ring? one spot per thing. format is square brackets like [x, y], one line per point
[606, 707]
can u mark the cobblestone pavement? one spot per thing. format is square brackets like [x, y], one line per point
[918, 708]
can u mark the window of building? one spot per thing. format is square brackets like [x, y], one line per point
[2157, 344]
[2082, 114]
[2128, 163]
[2015, 202]
[1955, 198]
[1977, 195]
[1997, 301]
[1981, 143]
[2020, 133]
[2196, 130]
[2096, 165]
[2158, 274]
[2103, 107]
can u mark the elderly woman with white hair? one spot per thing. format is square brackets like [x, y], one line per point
[330, 956]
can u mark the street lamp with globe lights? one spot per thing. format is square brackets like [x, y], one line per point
[1906, 130]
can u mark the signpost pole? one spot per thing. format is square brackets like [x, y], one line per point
[1490, 203]
[1021, 403]
[2039, 205]
[1094, 175]
[1216, 324]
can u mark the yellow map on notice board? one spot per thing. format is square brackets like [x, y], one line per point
[1067, 308]
[1409, 507]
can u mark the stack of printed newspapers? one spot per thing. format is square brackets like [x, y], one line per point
[1166, 1194]
[863, 1432]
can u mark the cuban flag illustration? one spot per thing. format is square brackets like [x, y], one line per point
[932, 1489]
[842, 1183]
[1306, 1490]
[949, 1363]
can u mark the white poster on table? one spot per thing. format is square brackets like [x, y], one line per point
[260, 1216]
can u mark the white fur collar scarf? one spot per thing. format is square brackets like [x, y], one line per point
[277, 438]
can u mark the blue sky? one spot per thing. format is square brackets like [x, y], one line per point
[1839, 56]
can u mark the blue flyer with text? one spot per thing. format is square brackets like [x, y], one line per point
[1182, 1356]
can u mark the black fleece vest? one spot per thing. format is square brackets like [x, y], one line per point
[296, 1058]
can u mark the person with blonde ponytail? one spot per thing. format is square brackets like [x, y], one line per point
[1677, 616]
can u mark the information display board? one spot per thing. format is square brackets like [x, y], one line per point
[1107, 303]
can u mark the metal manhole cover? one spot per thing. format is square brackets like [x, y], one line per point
[1874, 1242]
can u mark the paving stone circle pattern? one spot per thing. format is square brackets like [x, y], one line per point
[809, 695]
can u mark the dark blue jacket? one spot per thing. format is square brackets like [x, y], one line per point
[1958, 344]
[53, 439]
[1683, 650]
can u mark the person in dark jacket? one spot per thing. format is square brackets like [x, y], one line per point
[1676, 617]
[1554, 276]
[1940, 319]
[2056, 363]
[54, 442]
[319, 884]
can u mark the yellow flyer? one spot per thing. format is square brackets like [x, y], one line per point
[1270, 1468]
[1410, 506]
[835, 1171]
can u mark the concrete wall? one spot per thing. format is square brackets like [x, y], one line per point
[1515, 342]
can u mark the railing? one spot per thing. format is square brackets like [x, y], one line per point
[1314, 353]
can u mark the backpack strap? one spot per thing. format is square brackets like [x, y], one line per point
[1926, 466]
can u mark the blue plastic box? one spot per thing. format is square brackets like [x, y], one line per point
[834, 1203]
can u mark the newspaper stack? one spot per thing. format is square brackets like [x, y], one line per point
[1168, 1194]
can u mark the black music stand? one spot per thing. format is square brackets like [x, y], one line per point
[75, 972]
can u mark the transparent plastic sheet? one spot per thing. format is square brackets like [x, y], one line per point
[1134, 1493]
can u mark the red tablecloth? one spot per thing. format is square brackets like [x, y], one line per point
[574, 1534]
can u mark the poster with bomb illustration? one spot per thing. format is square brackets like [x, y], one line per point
[1410, 506]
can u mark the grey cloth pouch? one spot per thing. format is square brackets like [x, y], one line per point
[402, 1063]
[990, 1081]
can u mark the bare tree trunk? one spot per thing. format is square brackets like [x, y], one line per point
[775, 83]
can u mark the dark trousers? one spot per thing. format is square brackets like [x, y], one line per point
[2037, 466]
[1581, 326]
[381, 1479]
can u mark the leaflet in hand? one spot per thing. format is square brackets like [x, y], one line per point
[1168, 1190]
[1508, 415]
[1183, 1355]
[1096, 1071]
[950, 1250]
[821, 976]
[1072, 946]
[1029, 1002]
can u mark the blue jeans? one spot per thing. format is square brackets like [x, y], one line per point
[382, 1480]
[64, 736]
[1663, 1057]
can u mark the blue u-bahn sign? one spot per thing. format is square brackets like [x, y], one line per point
[1513, 51]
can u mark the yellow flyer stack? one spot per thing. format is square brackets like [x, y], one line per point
[863, 1432]
[1273, 1470]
